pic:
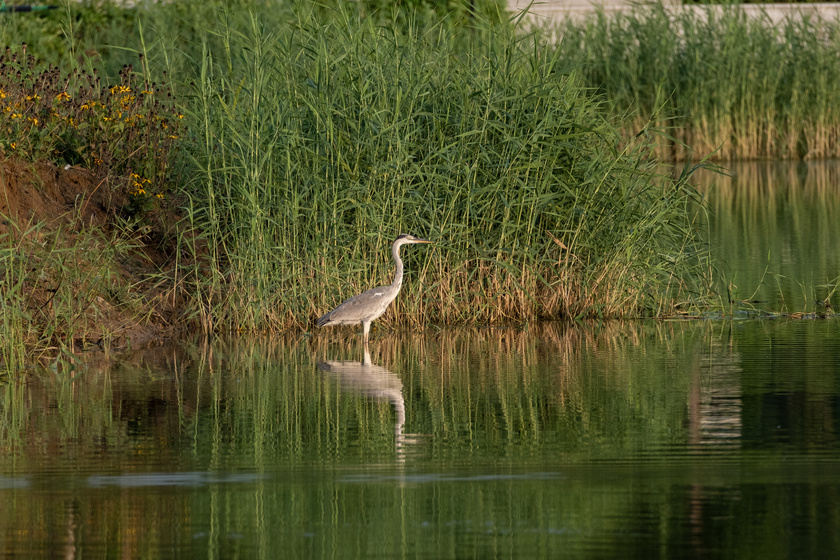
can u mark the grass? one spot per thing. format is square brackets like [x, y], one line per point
[717, 80]
[317, 147]
[59, 287]
[312, 136]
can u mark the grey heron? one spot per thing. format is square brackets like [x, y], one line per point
[370, 305]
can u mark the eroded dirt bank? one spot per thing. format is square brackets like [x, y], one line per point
[75, 269]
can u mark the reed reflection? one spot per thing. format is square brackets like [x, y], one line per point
[773, 229]
[375, 382]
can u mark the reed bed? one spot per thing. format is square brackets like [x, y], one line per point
[717, 80]
[317, 145]
[313, 135]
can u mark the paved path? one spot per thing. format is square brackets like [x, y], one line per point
[548, 11]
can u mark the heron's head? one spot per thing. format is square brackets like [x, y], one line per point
[405, 239]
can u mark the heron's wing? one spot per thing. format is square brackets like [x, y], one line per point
[363, 307]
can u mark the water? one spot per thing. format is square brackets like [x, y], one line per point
[774, 230]
[644, 439]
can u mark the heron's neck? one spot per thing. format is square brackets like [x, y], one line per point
[398, 275]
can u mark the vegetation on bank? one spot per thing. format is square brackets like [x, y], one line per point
[538, 207]
[718, 80]
[312, 136]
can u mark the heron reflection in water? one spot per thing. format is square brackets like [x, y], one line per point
[372, 381]
[370, 305]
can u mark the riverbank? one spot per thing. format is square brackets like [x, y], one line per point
[75, 275]
[284, 160]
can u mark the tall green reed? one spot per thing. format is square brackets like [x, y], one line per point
[717, 79]
[317, 143]
[316, 136]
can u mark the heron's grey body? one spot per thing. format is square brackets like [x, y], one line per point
[370, 305]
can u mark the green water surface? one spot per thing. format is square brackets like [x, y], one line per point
[774, 232]
[638, 440]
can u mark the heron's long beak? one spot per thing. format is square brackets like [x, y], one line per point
[418, 240]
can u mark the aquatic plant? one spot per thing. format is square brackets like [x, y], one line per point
[718, 80]
[317, 144]
[315, 135]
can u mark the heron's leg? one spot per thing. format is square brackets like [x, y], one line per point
[366, 325]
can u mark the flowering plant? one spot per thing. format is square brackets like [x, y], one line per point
[126, 131]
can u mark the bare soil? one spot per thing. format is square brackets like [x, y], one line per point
[42, 206]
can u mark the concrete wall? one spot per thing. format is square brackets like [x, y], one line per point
[548, 11]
